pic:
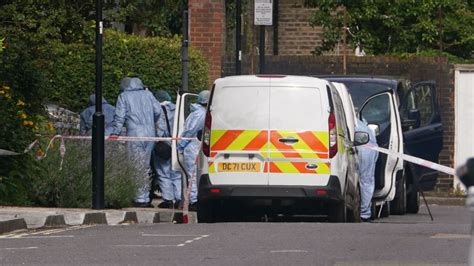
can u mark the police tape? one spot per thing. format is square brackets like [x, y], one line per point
[119, 138]
[12, 153]
[62, 146]
[413, 159]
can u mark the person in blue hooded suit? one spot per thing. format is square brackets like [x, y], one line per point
[87, 115]
[138, 110]
[367, 162]
[168, 179]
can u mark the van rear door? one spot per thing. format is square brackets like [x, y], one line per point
[239, 134]
[183, 103]
[298, 146]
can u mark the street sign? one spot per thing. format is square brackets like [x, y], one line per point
[263, 12]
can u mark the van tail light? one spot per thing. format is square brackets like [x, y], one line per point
[332, 135]
[206, 138]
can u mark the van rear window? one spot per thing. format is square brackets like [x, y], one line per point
[240, 108]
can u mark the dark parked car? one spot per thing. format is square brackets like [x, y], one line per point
[399, 112]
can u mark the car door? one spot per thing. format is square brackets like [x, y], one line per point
[380, 112]
[422, 131]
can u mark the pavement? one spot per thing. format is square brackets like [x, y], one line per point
[21, 218]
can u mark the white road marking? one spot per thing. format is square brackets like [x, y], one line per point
[62, 236]
[44, 233]
[22, 248]
[289, 251]
[450, 236]
[169, 235]
[189, 241]
[145, 246]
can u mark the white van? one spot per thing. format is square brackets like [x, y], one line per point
[276, 142]
[349, 111]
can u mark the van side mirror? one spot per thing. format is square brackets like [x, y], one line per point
[361, 138]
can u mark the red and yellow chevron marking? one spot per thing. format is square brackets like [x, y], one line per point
[239, 140]
[212, 168]
[296, 168]
[311, 144]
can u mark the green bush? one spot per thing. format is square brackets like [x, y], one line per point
[17, 131]
[71, 186]
[157, 61]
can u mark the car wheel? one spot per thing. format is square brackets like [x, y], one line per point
[398, 204]
[354, 214]
[205, 212]
[413, 201]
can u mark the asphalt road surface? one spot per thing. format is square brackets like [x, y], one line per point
[397, 240]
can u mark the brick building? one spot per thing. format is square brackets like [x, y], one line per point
[288, 48]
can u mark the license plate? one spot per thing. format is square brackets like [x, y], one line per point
[238, 167]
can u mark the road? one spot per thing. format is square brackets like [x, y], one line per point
[397, 240]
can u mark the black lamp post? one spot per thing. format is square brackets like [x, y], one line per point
[98, 118]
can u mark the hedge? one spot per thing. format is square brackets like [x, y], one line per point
[70, 68]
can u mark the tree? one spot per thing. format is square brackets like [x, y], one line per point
[149, 17]
[397, 27]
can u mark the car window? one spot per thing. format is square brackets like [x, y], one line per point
[419, 99]
[340, 112]
[361, 91]
[423, 100]
[377, 110]
[188, 101]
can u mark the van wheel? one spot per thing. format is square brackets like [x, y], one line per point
[337, 212]
[205, 212]
[354, 214]
[413, 202]
[398, 204]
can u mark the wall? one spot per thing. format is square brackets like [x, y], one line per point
[206, 32]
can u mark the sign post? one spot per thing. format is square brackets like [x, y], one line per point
[263, 16]
[238, 35]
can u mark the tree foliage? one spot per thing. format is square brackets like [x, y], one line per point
[396, 27]
[149, 17]
[156, 60]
